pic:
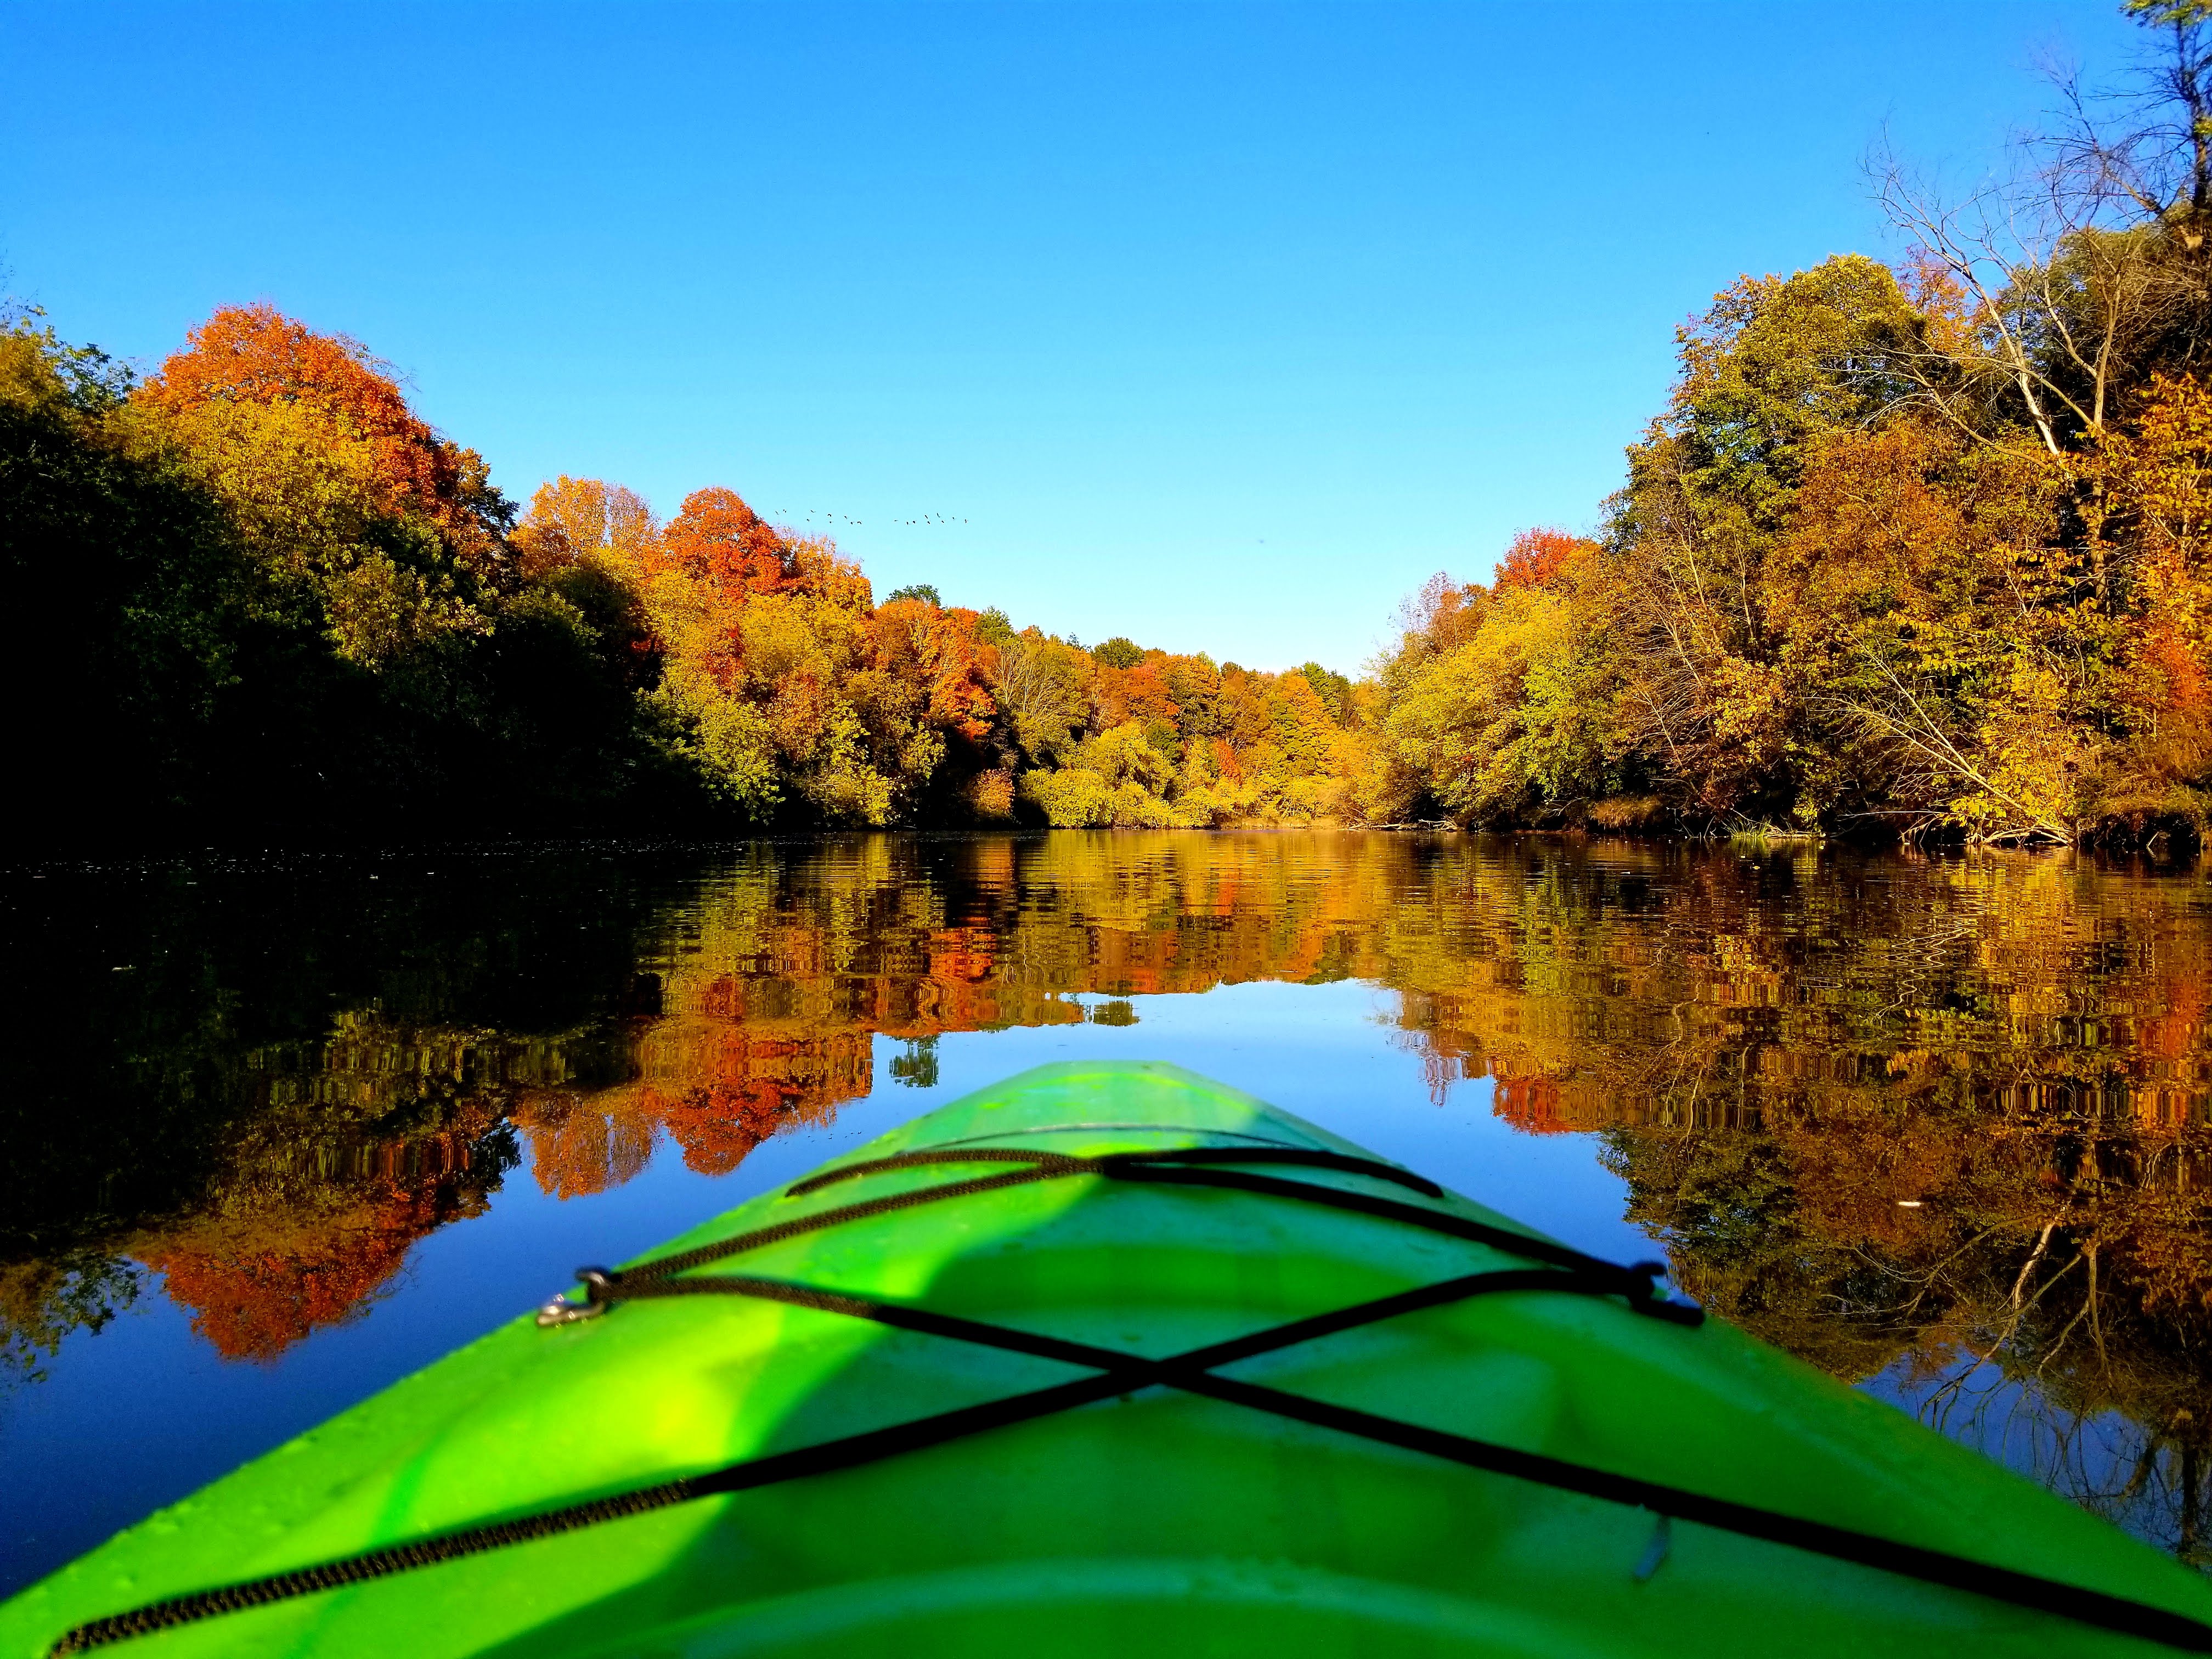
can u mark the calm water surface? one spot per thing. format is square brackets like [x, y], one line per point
[277, 1133]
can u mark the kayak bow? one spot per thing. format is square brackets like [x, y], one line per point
[1108, 1355]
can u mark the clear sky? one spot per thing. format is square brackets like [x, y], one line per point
[1217, 326]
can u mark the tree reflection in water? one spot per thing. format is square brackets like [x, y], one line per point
[1935, 1125]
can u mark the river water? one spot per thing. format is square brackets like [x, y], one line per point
[277, 1132]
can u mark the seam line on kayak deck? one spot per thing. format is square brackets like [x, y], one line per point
[1134, 1128]
[1120, 1374]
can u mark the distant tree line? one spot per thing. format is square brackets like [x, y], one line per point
[258, 595]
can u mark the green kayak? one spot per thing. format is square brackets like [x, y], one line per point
[1108, 1360]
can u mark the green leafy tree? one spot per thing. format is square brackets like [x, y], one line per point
[131, 583]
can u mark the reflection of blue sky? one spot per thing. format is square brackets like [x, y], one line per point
[2094, 1460]
[1333, 1054]
[1330, 1053]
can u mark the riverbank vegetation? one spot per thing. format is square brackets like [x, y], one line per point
[1916, 548]
[279, 601]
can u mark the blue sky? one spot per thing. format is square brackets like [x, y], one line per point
[1217, 326]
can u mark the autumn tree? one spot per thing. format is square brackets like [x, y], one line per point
[1044, 690]
[363, 524]
[1515, 724]
[571, 519]
[1333, 690]
[252, 382]
[2152, 483]
[1535, 559]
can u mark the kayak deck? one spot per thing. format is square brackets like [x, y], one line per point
[1068, 1366]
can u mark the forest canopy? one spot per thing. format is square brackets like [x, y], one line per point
[308, 609]
[1916, 547]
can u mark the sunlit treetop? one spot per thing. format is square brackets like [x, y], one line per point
[570, 518]
[255, 354]
[718, 538]
[1536, 558]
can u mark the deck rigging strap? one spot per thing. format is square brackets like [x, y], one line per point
[1115, 1373]
[1193, 1166]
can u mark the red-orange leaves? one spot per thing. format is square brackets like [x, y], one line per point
[913, 640]
[1534, 558]
[1136, 693]
[255, 354]
[718, 539]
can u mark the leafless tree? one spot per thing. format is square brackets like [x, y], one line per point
[2066, 276]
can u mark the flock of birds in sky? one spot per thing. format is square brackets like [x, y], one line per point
[927, 518]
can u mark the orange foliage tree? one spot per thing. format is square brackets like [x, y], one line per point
[255, 355]
[1535, 557]
[719, 540]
